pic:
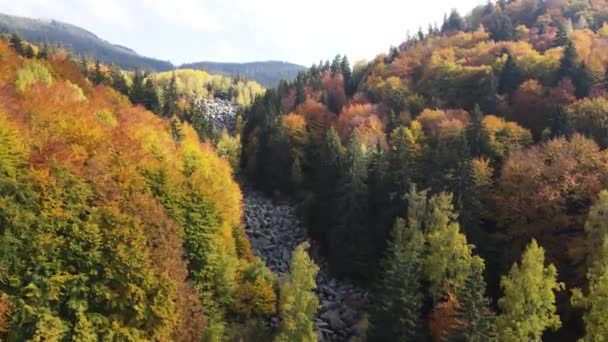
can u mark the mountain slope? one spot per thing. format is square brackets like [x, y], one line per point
[268, 73]
[80, 41]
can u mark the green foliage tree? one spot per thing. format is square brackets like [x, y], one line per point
[137, 94]
[98, 77]
[510, 76]
[395, 315]
[476, 320]
[31, 73]
[170, 97]
[151, 99]
[528, 306]
[449, 258]
[298, 302]
[595, 302]
[117, 80]
[350, 235]
[567, 66]
[175, 126]
[453, 23]
[476, 134]
[17, 43]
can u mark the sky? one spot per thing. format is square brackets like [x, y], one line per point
[298, 31]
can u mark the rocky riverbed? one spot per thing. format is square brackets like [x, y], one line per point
[274, 231]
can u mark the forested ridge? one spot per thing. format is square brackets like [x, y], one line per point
[461, 176]
[460, 181]
[117, 224]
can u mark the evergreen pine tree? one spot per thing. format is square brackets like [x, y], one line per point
[170, 97]
[380, 216]
[117, 80]
[350, 237]
[567, 65]
[176, 129]
[562, 35]
[466, 195]
[510, 76]
[582, 80]
[400, 169]
[151, 99]
[476, 320]
[476, 134]
[326, 174]
[17, 43]
[300, 89]
[559, 123]
[348, 76]
[396, 312]
[98, 76]
[336, 65]
[137, 94]
[453, 23]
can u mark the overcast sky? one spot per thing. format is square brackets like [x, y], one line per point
[299, 31]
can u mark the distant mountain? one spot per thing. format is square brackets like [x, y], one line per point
[79, 41]
[268, 73]
[87, 44]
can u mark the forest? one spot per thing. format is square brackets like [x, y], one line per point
[461, 180]
[461, 176]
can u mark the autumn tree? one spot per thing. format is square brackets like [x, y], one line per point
[528, 305]
[298, 302]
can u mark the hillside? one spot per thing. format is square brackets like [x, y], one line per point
[462, 164]
[268, 73]
[80, 41]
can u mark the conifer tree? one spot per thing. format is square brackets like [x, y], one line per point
[567, 65]
[17, 43]
[528, 305]
[326, 174]
[336, 65]
[117, 80]
[476, 320]
[176, 129]
[396, 312]
[380, 216]
[582, 80]
[298, 302]
[151, 97]
[453, 23]
[348, 76]
[98, 76]
[510, 76]
[595, 302]
[559, 124]
[400, 168]
[137, 94]
[477, 136]
[350, 235]
[170, 97]
[300, 90]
